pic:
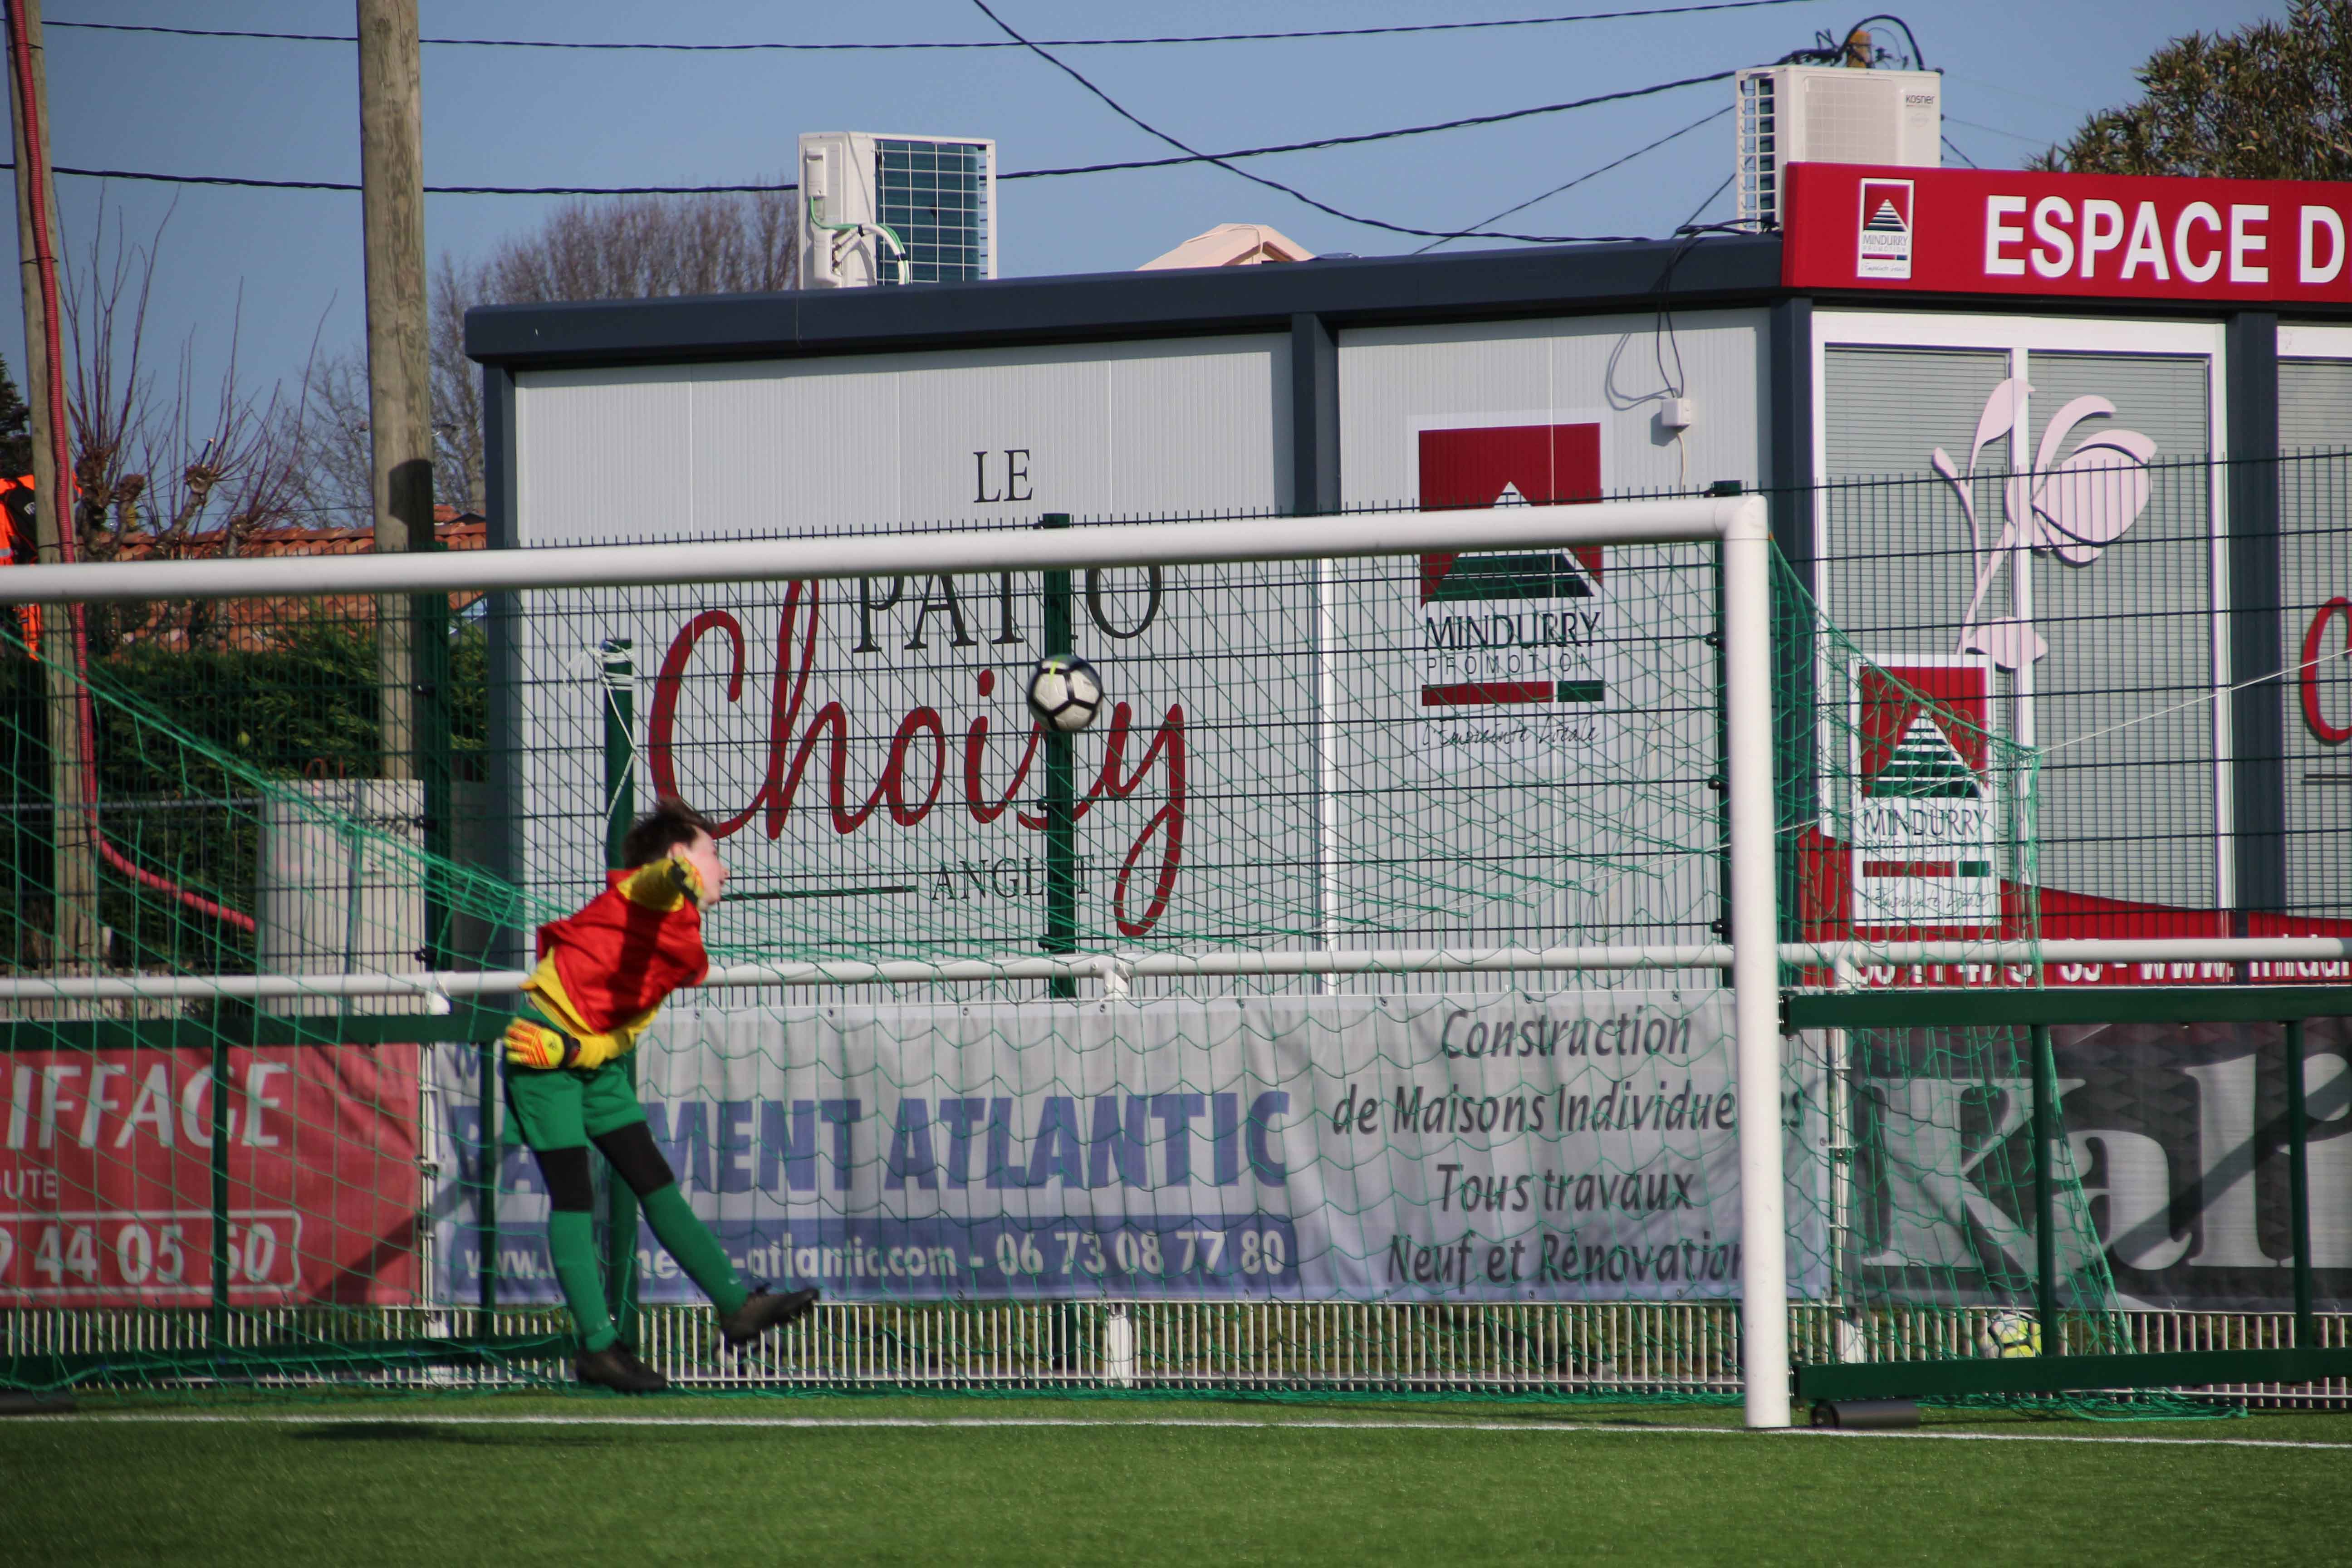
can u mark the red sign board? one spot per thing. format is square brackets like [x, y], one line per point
[2001, 231]
[106, 1176]
[1507, 465]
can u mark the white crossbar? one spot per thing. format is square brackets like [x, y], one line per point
[1694, 521]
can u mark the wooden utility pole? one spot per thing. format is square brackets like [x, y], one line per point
[74, 879]
[400, 392]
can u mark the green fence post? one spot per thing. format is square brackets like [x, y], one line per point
[429, 613]
[620, 811]
[2298, 1189]
[2045, 1194]
[436, 771]
[216, 1318]
[487, 1263]
[620, 745]
[1061, 826]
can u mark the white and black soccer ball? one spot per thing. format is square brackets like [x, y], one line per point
[1065, 692]
[2008, 1335]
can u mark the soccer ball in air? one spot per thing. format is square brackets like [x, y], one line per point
[1065, 692]
[2008, 1335]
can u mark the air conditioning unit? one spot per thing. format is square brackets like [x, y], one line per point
[888, 210]
[1831, 114]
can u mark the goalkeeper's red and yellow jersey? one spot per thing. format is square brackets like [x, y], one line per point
[609, 968]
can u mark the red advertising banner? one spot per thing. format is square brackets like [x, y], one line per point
[106, 1195]
[1926, 821]
[2004, 231]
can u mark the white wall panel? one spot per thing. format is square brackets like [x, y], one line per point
[721, 450]
[1182, 423]
[1394, 381]
[606, 458]
[772, 453]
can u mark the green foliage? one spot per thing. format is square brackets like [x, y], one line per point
[2272, 101]
[304, 707]
[15, 428]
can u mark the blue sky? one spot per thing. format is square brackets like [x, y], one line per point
[2018, 76]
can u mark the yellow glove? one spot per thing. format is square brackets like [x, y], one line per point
[531, 1044]
[665, 884]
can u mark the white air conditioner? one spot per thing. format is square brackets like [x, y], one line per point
[1831, 114]
[896, 209]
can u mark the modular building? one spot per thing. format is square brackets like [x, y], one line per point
[2160, 357]
[2062, 458]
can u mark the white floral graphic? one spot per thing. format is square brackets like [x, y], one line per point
[2072, 510]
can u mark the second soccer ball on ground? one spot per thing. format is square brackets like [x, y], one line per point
[1065, 692]
[2007, 1335]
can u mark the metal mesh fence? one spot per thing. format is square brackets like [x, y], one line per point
[1432, 753]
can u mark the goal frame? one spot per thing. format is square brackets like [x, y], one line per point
[1739, 524]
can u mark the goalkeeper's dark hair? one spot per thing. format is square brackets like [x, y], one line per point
[671, 824]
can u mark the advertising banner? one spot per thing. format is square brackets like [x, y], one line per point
[2177, 1135]
[1518, 651]
[1481, 1147]
[106, 1176]
[1927, 835]
[2008, 231]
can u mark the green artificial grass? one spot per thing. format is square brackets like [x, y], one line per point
[517, 1480]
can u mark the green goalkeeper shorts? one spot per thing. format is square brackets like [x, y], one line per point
[563, 1108]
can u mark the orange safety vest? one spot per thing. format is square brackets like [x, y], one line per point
[16, 532]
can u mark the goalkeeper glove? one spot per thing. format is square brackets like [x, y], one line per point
[531, 1044]
[662, 885]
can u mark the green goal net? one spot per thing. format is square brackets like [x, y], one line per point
[1349, 1006]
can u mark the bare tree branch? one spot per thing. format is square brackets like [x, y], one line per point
[166, 471]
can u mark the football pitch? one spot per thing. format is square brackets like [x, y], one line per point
[527, 1478]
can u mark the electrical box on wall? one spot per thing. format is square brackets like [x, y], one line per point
[879, 209]
[1831, 114]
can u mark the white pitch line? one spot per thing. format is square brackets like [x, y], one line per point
[806, 1422]
[2066, 1438]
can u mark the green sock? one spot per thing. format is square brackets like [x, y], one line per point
[698, 1251]
[571, 1247]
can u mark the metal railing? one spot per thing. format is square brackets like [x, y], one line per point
[1638, 1349]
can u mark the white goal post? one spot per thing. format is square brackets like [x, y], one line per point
[1739, 524]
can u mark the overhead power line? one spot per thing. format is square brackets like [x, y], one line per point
[1997, 130]
[1472, 231]
[242, 183]
[1188, 157]
[657, 48]
[1194, 154]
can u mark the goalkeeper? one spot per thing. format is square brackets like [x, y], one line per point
[602, 974]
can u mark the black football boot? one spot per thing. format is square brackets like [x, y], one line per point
[763, 1310]
[616, 1367]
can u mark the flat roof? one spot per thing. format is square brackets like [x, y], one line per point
[1716, 271]
[1345, 292]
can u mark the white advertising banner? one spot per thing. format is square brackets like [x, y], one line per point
[1473, 1147]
